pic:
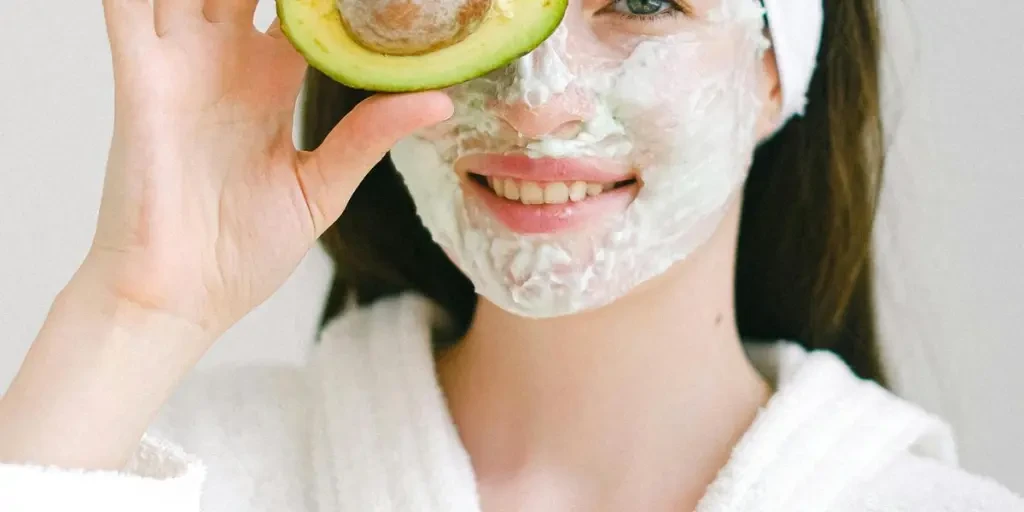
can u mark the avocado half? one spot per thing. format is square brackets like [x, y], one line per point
[510, 30]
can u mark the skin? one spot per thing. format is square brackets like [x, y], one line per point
[208, 208]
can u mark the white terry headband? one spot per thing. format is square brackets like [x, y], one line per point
[796, 27]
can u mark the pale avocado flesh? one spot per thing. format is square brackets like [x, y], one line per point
[315, 28]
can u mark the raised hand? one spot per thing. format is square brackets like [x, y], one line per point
[208, 207]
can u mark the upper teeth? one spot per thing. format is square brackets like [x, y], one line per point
[550, 192]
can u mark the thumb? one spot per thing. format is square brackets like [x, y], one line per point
[331, 174]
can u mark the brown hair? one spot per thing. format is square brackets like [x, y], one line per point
[804, 265]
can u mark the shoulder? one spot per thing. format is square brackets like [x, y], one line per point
[249, 427]
[241, 407]
[859, 447]
[912, 483]
[259, 429]
[233, 400]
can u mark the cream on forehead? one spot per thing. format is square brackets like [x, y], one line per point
[680, 109]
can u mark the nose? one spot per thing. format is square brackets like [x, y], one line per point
[562, 116]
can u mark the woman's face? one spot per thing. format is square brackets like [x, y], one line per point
[600, 159]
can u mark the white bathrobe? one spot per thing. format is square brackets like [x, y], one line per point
[364, 428]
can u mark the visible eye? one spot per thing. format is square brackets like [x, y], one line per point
[646, 8]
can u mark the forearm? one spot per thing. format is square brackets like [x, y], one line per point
[94, 378]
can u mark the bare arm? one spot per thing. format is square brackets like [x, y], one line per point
[93, 380]
[207, 209]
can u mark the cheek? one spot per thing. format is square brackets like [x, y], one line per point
[688, 95]
[656, 103]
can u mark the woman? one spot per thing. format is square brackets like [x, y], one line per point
[534, 302]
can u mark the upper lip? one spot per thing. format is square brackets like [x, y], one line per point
[525, 168]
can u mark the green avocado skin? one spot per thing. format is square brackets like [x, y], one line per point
[419, 79]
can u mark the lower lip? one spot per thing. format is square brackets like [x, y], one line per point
[551, 218]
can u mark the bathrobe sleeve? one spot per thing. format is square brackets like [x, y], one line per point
[231, 439]
[160, 477]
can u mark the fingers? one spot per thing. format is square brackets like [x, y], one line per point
[331, 174]
[129, 22]
[171, 13]
[238, 11]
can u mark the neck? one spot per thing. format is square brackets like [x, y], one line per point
[635, 406]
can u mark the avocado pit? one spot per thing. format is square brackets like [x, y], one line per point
[411, 27]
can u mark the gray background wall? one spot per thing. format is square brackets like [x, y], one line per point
[950, 237]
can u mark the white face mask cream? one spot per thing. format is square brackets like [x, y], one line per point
[650, 138]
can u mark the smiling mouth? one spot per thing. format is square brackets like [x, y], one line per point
[546, 192]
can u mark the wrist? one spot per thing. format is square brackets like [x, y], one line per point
[91, 301]
[143, 295]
